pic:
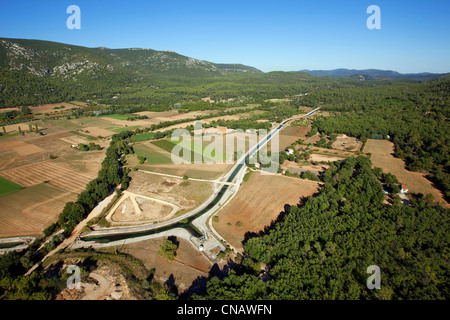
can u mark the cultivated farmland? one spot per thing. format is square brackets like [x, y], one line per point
[7, 186]
[30, 210]
[56, 174]
[259, 201]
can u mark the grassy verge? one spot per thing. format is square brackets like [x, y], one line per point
[83, 135]
[116, 116]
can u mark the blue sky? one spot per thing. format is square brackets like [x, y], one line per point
[269, 35]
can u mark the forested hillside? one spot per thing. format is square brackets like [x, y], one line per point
[34, 72]
[323, 249]
[414, 116]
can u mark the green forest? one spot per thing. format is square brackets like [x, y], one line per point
[414, 116]
[322, 249]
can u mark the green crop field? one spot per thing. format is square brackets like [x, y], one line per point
[7, 187]
[120, 129]
[152, 156]
[117, 116]
[143, 136]
[168, 145]
[164, 144]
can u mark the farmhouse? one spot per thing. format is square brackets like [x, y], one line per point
[404, 189]
[290, 151]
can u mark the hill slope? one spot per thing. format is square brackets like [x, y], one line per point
[44, 58]
[34, 72]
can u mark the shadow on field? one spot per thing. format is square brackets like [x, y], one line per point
[198, 286]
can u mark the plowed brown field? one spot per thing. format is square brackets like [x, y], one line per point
[259, 201]
[55, 173]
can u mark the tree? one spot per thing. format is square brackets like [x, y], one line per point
[322, 249]
[25, 111]
[168, 249]
[73, 213]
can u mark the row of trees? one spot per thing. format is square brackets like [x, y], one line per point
[110, 175]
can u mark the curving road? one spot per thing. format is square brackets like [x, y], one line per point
[225, 188]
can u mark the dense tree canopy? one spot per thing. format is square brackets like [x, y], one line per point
[414, 116]
[322, 250]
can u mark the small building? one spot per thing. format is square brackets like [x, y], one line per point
[403, 189]
[289, 151]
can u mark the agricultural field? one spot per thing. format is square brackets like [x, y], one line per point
[7, 186]
[382, 156]
[52, 172]
[291, 134]
[28, 211]
[259, 201]
[159, 159]
[143, 136]
[196, 149]
[312, 140]
[197, 171]
[44, 173]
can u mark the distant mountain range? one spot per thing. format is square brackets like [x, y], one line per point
[64, 61]
[375, 73]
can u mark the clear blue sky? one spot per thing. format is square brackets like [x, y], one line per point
[269, 35]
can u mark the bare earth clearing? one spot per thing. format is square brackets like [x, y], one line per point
[105, 283]
[344, 142]
[189, 263]
[294, 167]
[382, 156]
[183, 194]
